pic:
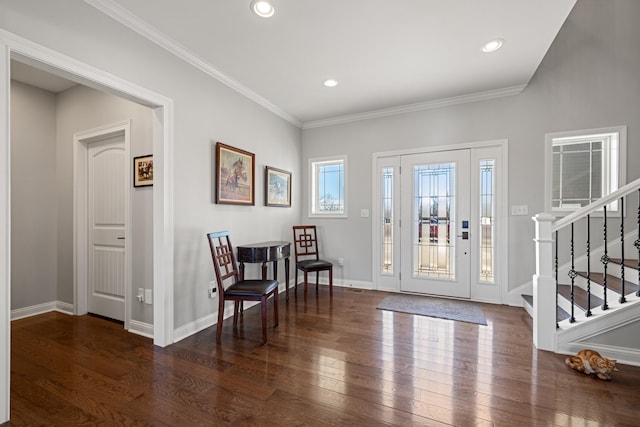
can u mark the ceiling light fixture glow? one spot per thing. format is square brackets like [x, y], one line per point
[492, 46]
[263, 8]
[330, 83]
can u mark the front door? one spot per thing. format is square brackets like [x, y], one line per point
[106, 190]
[435, 223]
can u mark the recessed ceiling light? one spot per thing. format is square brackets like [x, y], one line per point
[492, 46]
[263, 8]
[330, 83]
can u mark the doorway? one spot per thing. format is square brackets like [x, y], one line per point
[15, 47]
[439, 221]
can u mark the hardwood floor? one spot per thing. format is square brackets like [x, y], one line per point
[344, 363]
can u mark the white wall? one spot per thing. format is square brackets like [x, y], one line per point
[33, 197]
[588, 79]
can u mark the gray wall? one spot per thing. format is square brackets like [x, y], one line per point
[33, 197]
[205, 111]
[588, 79]
[42, 190]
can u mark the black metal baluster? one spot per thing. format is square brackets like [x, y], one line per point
[556, 261]
[623, 299]
[588, 266]
[572, 274]
[605, 260]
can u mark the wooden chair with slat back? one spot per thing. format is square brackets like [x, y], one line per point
[307, 256]
[226, 270]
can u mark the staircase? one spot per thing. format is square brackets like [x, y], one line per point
[586, 291]
[584, 302]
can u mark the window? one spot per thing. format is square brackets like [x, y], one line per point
[328, 187]
[387, 220]
[487, 220]
[583, 167]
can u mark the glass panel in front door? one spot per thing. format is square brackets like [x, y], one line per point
[434, 221]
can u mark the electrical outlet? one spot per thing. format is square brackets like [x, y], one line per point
[148, 296]
[212, 289]
[140, 295]
[341, 261]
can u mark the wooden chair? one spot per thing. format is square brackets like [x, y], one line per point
[307, 256]
[226, 269]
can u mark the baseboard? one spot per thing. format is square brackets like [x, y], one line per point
[357, 284]
[194, 327]
[34, 310]
[343, 283]
[205, 322]
[135, 326]
[622, 355]
[141, 328]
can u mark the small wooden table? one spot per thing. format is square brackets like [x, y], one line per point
[265, 252]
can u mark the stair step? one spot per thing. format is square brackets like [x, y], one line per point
[631, 263]
[614, 283]
[579, 296]
[560, 313]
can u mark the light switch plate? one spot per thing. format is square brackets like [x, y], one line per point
[519, 210]
[148, 298]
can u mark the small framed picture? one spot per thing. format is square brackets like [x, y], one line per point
[235, 176]
[277, 187]
[143, 171]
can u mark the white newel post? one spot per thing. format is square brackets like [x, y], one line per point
[544, 286]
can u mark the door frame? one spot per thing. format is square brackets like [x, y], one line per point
[26, 51]
[502, 264]
[81, 142]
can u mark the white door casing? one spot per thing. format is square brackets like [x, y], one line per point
[385, 251]
[102, 218]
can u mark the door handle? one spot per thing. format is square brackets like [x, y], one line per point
[464, 235]
[120, 238]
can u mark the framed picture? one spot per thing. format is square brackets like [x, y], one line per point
[235, 176]
[143, 171]
[277, 187]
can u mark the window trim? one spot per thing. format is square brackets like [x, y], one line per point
[578, 134]
[313, 189]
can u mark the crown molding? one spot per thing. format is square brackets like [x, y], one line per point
[133, 22]
[420, 106]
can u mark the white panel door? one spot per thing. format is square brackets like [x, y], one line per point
[435, 227]
[106, 189]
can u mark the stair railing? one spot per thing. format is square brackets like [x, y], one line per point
[545, 279]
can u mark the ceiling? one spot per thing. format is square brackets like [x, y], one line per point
[386, 55]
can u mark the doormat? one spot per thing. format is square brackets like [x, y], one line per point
[442, 308]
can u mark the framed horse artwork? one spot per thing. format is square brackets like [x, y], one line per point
[235, 176]
[143, 170]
